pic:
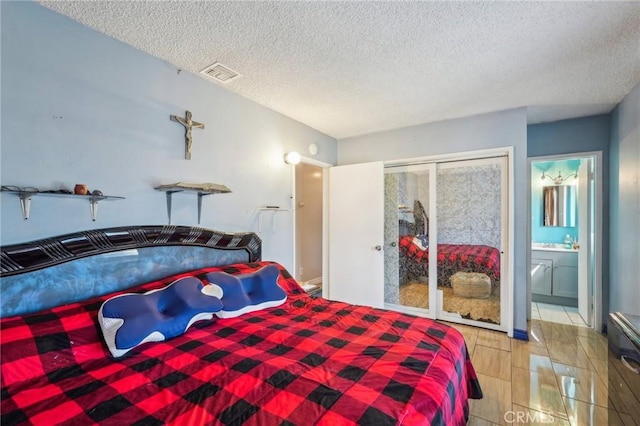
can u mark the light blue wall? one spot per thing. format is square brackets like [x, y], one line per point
[587, 134]
[550, 234]
[569, 136]
[624, 276]
[81, 107]
[496, 130]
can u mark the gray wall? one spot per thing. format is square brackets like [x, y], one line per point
[624, 266]
[587, 134]
[81, 107]
[495, 130]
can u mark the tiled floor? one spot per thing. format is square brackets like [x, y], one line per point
[556, 313]
[561, 376]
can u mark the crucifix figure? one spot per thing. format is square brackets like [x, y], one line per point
[188, 125]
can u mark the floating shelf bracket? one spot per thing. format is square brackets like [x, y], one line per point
[273, 220]
[25, 204]
[200, 189]
[25, 200]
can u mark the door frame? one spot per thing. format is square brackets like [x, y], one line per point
[294, 203]
[599, 211]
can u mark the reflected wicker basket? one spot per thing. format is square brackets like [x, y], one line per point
[473, 285]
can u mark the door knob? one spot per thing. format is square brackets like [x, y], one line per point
[378, 247]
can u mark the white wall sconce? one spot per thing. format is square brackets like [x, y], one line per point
[559, 180]
[292, 157]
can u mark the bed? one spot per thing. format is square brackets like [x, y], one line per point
[413, 246]
[452, 258]
[306, 361]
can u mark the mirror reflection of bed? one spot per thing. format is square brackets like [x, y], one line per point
[468, 274]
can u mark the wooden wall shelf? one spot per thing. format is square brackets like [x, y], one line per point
[201, 189]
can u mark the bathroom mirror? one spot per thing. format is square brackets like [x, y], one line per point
[559, 205]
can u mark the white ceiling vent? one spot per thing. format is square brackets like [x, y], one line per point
[220, 73]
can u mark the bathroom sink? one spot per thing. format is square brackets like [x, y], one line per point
[551, 247]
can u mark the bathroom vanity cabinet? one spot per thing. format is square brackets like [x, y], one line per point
[554, 273]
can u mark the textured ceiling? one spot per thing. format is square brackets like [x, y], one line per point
[351, 68]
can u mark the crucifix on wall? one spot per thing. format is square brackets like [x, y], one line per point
[188, 124]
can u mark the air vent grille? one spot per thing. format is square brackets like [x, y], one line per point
[220, 73]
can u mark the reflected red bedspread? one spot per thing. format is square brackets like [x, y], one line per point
[453, 258]
[309, 361]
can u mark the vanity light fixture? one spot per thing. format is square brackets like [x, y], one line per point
[292, 157]
[559, 180]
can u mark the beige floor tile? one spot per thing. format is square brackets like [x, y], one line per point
[493, 339]
[534, 323]
[492, 362]
[530, 417]
[632, 380]
[470, 335]
[568, 353]
[477, 421]
[471, 344]
[594, 347]
[538, 391]
[581, 384]
[614, 419]
[627, 420]
[602, 368]
[575, 318]
[536, 336]
[588, 332]
[622, 397]
[496, 401]
[531, 357]
[563, 371]
[559, 332]
[464, 329]
[583, 414]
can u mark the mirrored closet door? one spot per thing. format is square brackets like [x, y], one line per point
[470, 211]
[444, 240]
[406, 283]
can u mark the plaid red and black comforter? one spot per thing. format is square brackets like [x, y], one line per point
[309, 361]
[452, 258]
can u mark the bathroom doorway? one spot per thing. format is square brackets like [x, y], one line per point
[565, 239]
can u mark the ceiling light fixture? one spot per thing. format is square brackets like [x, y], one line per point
[559, 180]
[292, 157]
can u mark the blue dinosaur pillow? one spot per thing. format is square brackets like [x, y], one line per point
[131, 319]
[241, 294]
[422, 241]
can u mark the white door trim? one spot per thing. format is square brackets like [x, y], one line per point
[599, 178]
[294, 202]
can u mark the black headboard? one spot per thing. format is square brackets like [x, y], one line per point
[54, 271]
[25, 257]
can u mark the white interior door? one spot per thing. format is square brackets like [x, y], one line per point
[356, 234]
[585, 228]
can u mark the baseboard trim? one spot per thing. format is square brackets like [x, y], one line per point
[314, 281]
[520, 334]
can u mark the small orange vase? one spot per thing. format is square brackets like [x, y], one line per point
[80, 189]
